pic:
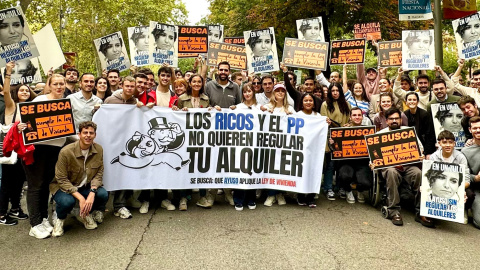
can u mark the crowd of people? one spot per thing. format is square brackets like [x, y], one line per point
[70, 170]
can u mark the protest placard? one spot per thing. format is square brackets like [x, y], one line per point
[25, 72]
[215, 33]
[51, 55]
[261, 50]
[305, 54]
[112, 52]
[234, 54]
[70, 58]
[310, 29]
[409, 10]
[138, 40]
[47, 120]
[235, 40]
[448, 116]
[347, 51]
[418, 51]
[192, 40]
[370, 31]
[392, 148]
[17, 43]
[443, 190]
[240, 149]
[163, 44]
[467, 36]
[390, 53]
[349, 142]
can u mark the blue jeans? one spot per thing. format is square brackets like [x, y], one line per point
[328, 174]
[65, 202]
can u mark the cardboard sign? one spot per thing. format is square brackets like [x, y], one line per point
[47, 120]
[71, 58]
[51, 54]
[234, 54]
[448, 116]
[370, 31]
[262, 56]
[390, 53]
[305, 54]
[163, 47]
[192, 40]
[25, 71]
[348, 52]
[235, 40]
[215, 33]
[443, 191]
[112, 52]
[397, 147]
[311, 29]
[350, 142]
[139, 45]
[418, 50]
[467, 36]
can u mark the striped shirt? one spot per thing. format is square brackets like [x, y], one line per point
[363, 105]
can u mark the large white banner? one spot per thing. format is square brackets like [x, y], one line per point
[162, 149]
[443, 191]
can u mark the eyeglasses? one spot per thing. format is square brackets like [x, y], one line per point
[224, 70]
[393, 118]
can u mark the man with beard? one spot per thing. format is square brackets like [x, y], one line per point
[394, 176]
[439, 89]
[84, 101]
[222, 92]
[334, 77]
[473, 91]
[370, 79]
[71, 77]
[469, 109]
[309, 86]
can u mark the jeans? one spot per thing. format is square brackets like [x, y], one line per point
[11, 186]
[240, 196]
[65, 202]
[328, 174]
[39, 175]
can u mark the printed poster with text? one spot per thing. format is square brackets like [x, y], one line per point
[448, 116]
[261, 51]
[467, 36]
[414, 10]
[348, 52]
[138, 40]
[47, 120]
[370, 31]
[112, 52]
[390, 53]
[393, 148]
[234, 54]
[25, 71]
[215, 33]
[192, 40]
[443, 190]
[305, 54]
[163, 44]
[311, 29]
[418, 50]
[235, 40]
[349, 142]
[16, 40]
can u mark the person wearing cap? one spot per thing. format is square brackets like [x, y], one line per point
[370, 78]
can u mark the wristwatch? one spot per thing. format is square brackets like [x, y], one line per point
[94, 190]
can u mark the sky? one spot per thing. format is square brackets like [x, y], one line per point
[196, 10]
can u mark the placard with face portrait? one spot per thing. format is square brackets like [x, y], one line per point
[112, 52]
[16, 41]
[163, 44]
[448, 116]
[418, 50]
[25, 71]
[467, 35]
[261, 50]
[138, 40]
[311, 29]
[443, 190]
[215, 33]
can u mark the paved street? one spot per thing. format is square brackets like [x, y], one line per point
[335, 235]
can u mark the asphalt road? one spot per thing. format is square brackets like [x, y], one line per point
[335, 235]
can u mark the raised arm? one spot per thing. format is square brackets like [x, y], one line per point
[345, 81]
[9, 103]
[448, 82]
[290, 89]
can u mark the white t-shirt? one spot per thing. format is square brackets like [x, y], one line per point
[55, 142]
[280, 109]
[313, 113]
[242, 106]
[163, 99]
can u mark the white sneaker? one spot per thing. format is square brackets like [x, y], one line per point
[168, 205]
[360, 197]
[47, 225]
[97, 216]
[182, 206]
[219, 191]
[123, 213]
[229, 198]
[350, 198]
[90, 224]
[144, 208]
[58, 228]
[210, 199]
[203, 202]
[281, 199]
[269, 201]
[39, 232]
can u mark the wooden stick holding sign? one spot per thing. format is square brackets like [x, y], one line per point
[47, 120]
[393, 148]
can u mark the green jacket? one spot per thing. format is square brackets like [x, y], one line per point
[70, 168]
[185, 101]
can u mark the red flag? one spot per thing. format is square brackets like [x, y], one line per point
[454, 9]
